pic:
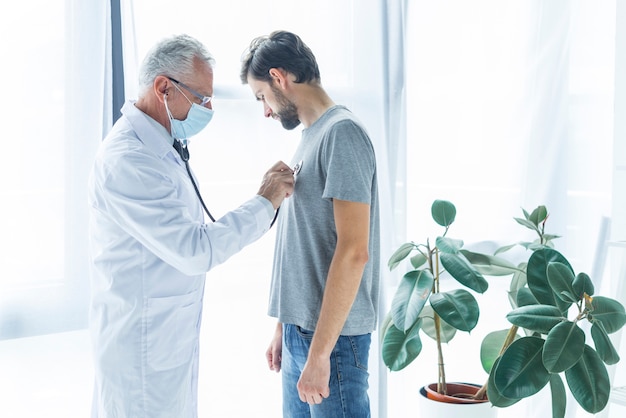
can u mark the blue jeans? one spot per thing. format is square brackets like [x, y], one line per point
[348, 376]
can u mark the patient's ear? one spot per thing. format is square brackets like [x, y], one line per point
[280, 77]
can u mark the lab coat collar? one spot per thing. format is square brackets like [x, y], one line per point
[149, 131]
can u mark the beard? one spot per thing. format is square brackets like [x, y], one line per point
[288, 112]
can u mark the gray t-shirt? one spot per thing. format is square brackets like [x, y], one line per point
[337, 161]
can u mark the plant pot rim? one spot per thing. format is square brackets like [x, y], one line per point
[454, 390]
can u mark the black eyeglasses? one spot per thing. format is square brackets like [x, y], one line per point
[203, 99]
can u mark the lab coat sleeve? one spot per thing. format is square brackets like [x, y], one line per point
[149, 199]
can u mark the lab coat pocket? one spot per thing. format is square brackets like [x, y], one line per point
[172, 330]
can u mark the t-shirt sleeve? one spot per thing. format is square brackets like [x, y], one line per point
[350, 163]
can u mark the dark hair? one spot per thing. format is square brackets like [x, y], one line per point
[281, 49]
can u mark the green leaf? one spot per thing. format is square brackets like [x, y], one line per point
[448, 245]
[418, 260]
[410, 298]
[443, 212]
[457, 307]
[610, 312]
[561, 278]
[559, 397]
[525, 297]
[564, 346]
[490, 265]
[582, 284]
[536, 275]
[491, 346]
[538, 215]
[400, 349]
[604, 346]
[446, 331]
[400, 254]
[549, 237]
[463, 272]
[520, 372]
[505, 248]
[528, 224]
[540, 318]
[589, 382]
[518, 284]
[494, 396]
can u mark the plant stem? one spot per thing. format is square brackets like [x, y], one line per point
[510, 337]
[441, 383]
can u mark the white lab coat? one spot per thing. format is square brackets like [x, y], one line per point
[149, 251]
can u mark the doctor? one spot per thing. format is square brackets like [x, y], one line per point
[149, 244]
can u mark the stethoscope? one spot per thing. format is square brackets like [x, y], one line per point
[182, 150]
[184, 155]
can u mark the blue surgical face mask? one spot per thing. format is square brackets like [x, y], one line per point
[197, 119]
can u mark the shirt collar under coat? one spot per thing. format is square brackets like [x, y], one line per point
[150, 132]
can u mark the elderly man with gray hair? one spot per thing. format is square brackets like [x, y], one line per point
[150, 247]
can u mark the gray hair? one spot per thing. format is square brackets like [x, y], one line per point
[172, 57]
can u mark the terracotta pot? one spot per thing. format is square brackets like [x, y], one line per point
[429, 408]
[456, 393]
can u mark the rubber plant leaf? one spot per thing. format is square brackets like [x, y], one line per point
[457, 307]
[521, 372]
[400, 254]
[494, 396]
[582, 284]
[540, 318]
[538, 215]
[559, 397]
[458, 267]
[399, 349]
[528, 224]
[446, 331]
[536, 274]
[448, 245]
[564, 346]
[490, 348]
[418, 260]
[588, 381]
[489, 265]
[525, 297]
[604, 346]
[561, 279]
[609, 311]
[410, 298]
[443, 212]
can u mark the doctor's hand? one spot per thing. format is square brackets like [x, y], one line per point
[313, 384]
[277, 184]
[274, 353]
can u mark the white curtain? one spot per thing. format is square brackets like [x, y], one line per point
[54, 115]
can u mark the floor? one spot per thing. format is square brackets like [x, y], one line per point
[51, 375]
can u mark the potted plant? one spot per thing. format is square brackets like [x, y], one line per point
[420, 304]
[550, 303]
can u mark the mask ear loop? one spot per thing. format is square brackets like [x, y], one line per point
[169, 115]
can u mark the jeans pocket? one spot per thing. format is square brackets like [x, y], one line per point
[304, 333]
[360, 348]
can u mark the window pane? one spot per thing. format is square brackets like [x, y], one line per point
[32, 173]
